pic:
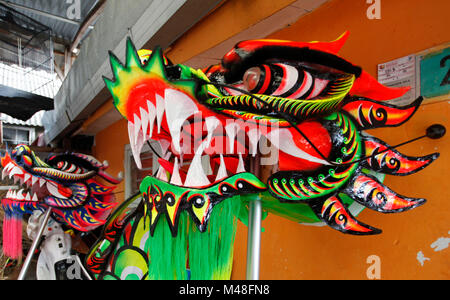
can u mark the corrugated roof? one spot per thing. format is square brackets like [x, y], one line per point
[35, 120]
[62, 16]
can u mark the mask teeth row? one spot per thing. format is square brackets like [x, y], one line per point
[19, 175]
[176, 107]
[13, 171]
[21, 196]
[196, 175]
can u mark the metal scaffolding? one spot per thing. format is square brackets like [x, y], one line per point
[26, 54]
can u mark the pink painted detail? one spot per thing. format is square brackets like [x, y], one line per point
[319, 85]
[307, 82]
[12, 236]
[290, 77]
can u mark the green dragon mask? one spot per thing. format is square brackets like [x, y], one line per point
[296, 106]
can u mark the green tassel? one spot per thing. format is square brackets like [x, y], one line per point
[167, 254]
[209, 255]
[211, 252]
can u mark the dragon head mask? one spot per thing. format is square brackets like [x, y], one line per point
[68, 183]
[297, 106]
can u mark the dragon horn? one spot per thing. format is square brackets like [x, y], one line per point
[367, 86]
[333, 212]
[390, 161]
[368, 191]
[333, 46]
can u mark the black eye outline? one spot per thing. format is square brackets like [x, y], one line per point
[169, 198]
[227, 189]
[198, 201]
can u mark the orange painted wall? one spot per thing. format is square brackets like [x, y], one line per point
[232, 17]
[292, 251]
[110, 145]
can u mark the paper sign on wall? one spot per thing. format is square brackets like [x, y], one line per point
[399, 73]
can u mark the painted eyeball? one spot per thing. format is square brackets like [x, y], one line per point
[198, 201]
[170, 200]
[252, 78]
[227, 189]
[201, 209]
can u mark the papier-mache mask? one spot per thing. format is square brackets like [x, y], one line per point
[295, 105]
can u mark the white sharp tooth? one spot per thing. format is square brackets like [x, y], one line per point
[28, 197]
[131, 133]
[136, 145]
[19, 195]
[283, 140]
[35, 198]
[196, 176]
[151, 117]
[13, 194]
[178, 107]
[160, 107]
[9, 166]
[137, 127]
[241, 166]
[34, 179]
[175, 178]
[4, 173]
[253, 136]
[162, 174]
[211, 124]
[231, 131]
[53, 189]
[8, 194]
[222, 172]
[26, 177]
[41, 182]
[167, 156]
[206, 163]
[16, 171]
[15, 179]
[164, 144]
[144, 122]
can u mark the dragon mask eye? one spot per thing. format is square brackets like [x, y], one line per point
[293, 81]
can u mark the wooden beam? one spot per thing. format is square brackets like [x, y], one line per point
[61, 53]
[58, 70]
[94, 13]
